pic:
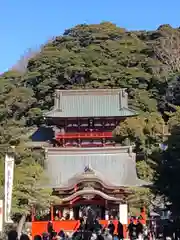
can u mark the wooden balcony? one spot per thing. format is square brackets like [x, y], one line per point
[89, 145]
[85, 135]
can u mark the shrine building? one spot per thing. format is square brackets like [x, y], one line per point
[85, 166]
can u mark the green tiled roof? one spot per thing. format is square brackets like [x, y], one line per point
[113, 166]
[91, 103]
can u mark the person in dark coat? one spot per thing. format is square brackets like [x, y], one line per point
[132, 230]
[61, 234]
[89, 224]
[45, 236]
[37, 237]
[111, 228]
[24, 237]
[12, 235]
[100, 237]
[139, 228]
[120, 232]
[177, 228]
[81, 225]
[50, 229]
[54, 235]
[97, 226]
[88, 228]
[168, 230]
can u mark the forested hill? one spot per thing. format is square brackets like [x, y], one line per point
[102, 56]
[94, 56]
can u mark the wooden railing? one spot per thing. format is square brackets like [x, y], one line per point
[89, 145]
[84, 135]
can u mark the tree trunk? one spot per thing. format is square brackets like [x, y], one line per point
[20, 225]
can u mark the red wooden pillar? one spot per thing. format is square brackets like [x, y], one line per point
[52, 213]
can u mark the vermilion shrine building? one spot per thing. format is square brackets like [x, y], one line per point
[84, 164]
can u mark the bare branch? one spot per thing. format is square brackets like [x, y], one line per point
[21, 64]
[168, 52]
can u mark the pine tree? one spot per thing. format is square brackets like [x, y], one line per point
[168, 170]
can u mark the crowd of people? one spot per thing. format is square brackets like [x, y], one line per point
[89, 229]
[12, 235]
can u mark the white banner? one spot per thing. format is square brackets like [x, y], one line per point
[1, 215]
[123, 213]
[9, 176]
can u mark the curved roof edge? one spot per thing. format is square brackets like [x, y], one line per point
[123, 112]
[105, 183]
[79, 179]
[103, 150]
[90, 191]
[142, 183]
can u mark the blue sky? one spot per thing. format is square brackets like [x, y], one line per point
[26, 24]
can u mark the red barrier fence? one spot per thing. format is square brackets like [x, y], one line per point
[67, 225]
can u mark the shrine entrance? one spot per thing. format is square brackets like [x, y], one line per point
[81, 210]
[102, 208]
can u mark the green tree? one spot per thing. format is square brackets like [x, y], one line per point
[145, 133]
[30, 186]
[28, 190]
[142, 196]
[174, 117]
[168, 167]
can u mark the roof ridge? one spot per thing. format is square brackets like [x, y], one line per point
[92, 89]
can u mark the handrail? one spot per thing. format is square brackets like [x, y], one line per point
[84, 135]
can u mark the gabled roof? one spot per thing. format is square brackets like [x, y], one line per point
[89, 174]
[113, 166]
[91, 103]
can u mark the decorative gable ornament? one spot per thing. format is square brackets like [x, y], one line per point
[88, 196]
[88, 169]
